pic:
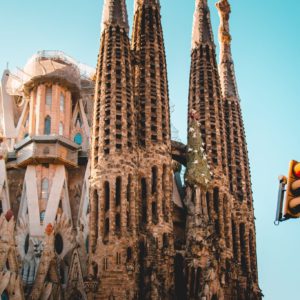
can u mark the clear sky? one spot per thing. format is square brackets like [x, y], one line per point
[266, 48]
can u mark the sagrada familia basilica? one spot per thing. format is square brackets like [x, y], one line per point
[97, 201]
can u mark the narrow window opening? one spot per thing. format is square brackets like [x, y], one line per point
[129, 254]
[118, 191]
[106, 196]
[154, 180]
[47, 127]
[62, 103]
[45, 189]
[61, 129]
[154, 213]
[144, 200]
[49, 96]
[118, 223]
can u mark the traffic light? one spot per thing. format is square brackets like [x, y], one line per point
[292, 201]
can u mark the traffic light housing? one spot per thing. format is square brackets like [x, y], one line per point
[292, 200]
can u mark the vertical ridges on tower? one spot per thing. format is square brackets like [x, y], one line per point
[114, 160]
[239, 173]
[243, 227]
[205, 89]
[154, 152]
[151, 83]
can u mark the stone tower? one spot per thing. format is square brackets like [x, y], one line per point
[113, 231]
[238, 162]
[154, 153]
[92, 203]
[218, 246]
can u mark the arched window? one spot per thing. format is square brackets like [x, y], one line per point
[61, 129]
[62, 103]
[47, 125]
[78, 138]
[45, 189]
[49, 96]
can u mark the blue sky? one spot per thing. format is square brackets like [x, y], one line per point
[266, 47]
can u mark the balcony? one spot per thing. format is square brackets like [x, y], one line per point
[47, 149]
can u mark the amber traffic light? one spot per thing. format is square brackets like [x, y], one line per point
[292, 201]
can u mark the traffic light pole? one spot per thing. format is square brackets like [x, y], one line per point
[279, 216]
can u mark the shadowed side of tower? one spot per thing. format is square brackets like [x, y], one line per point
[238, 166]
[113, 238]
[154, 153]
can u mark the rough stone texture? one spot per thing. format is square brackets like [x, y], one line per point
[111, 218]
[113, 221]
[220, 253]
[154, 152]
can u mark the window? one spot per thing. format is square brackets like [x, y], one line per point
[61, 129]
[45, 189]
[26, 244]
[62, 103]
[49, 96]
[106, 195]
[58, 244]
[47, 125]
[118, 191]
[78, 139]
[42, 216]
[144, 200]
[129, 254]
[154, 180]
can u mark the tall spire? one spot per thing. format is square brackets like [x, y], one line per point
[205, 88]
[154, 149]
[113, 180]
[115, 13]
[202, 31]
[226, 68]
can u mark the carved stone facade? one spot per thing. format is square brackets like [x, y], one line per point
[92, 201]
